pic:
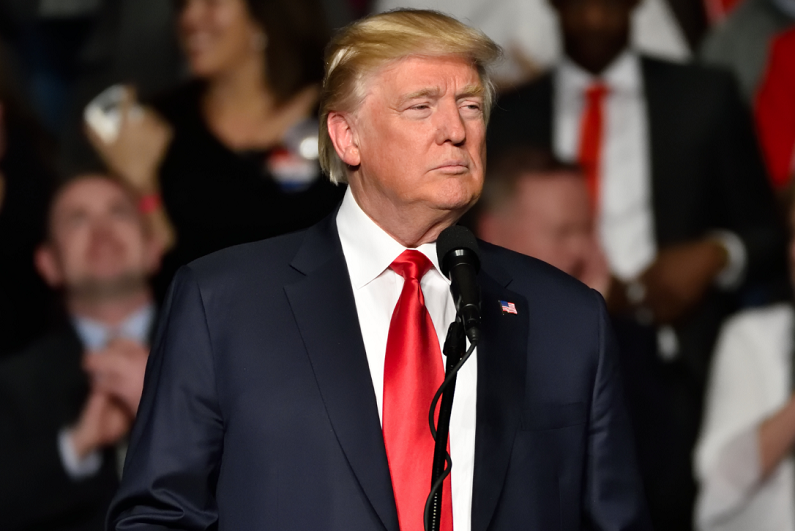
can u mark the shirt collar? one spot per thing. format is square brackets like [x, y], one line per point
[368, 249]
[95, 335]
[623, 75]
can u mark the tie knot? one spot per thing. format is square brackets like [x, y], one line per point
[411, 264]
[596, 91]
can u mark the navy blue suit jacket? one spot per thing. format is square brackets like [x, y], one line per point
[258, 410]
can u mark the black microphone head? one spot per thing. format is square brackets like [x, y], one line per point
[456, 238]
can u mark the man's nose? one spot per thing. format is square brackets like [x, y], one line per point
[450, 126]
[101, 233]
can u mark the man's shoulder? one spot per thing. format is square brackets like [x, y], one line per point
[269, 258]
[45, 365]
[692, 79]
[58, 343]
[535, 279]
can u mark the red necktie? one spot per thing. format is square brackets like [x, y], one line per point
[412, 373]
[775, 110]
[591, 131]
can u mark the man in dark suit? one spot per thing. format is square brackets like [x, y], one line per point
[685, 217]
[290, 381]
[68, 400]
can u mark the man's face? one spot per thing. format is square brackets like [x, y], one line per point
[549, 218]
[421, 137]
[594, 32]
[98, 244]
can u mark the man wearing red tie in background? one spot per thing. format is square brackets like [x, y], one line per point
[291, 380]
[684, 214]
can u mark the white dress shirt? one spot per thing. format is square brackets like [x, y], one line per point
[95, 336]
[626, 222]
[749, 381]
[369, 251]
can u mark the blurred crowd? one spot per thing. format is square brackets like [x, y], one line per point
[646, 147]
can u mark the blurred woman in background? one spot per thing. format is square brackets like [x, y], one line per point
[231, 156]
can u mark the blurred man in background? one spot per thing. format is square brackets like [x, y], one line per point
[536, 205]
[685, 216]
[67, 402]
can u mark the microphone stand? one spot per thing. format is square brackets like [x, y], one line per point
[454, 350]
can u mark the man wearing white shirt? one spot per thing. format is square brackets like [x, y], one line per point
[67, 401]
[684, 214]
[290, 388]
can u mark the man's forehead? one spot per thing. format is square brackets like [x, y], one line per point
[417, 76]
[87, 192]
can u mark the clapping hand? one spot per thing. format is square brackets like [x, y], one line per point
[680, 277]
[118, 370]
[103, 422]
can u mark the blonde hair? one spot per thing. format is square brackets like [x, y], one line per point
[371, 43]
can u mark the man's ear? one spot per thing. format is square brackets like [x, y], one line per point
[47, 265]
[344, 138]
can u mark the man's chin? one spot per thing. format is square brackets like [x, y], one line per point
[455, 195]
[99, 288]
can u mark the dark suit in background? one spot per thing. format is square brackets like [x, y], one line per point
[258, 409]
[42, 390]
[706, 175]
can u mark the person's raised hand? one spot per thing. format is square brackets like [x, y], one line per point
[118, 370]
[680, 277]
[103, 422]
[136, 153]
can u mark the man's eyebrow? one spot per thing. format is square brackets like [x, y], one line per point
[430, 92]
[434, 92]
[470, 91]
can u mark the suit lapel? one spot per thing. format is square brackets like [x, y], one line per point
[502, 357]
[325, 311]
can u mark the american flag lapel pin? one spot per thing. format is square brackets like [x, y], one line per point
[508, 307]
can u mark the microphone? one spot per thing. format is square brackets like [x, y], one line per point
[459, 259]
